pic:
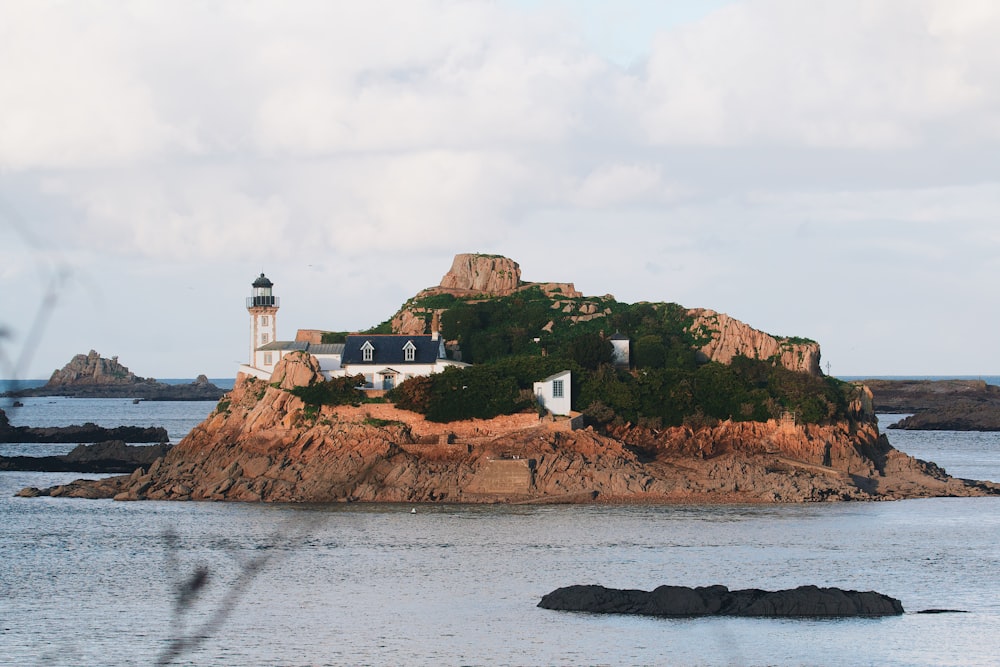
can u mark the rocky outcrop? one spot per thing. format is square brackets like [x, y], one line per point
[901, 396]
[961, 416]
[490, 275]
[103, 457]
[92, 376]
[90, 370]
[88, 432]
[474, 277]
[728, 338]
[939, 405]
[264, 443]
[682, 601]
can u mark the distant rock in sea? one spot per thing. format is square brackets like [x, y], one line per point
[92, 376]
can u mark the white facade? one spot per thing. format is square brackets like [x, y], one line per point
[554, 393]
[263, 330]
[380, 376]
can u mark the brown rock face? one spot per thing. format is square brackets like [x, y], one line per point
[483, 274]
[262, 444]
[730, 338]
[409, 323]
[296, 369]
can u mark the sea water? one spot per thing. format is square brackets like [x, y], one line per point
[93, 581]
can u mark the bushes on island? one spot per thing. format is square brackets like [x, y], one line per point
[746, 390]
[336, 391]
[522, 338]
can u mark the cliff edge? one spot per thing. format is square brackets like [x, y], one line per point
[264, 444]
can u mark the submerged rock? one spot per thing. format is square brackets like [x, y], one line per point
[682, 601]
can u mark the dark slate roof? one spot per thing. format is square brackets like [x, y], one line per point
[262, 281]
[389, 349]
[283, 345]
[295, 345]
[326, 348]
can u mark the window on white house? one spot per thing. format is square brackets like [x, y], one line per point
[267, 358]
[263, 320]
[557, 389]
[264, 338]
[366, 352]
[409, 350]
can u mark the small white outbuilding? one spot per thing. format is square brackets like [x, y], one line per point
[554, 393]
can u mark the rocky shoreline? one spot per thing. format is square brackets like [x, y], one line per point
[262, 444]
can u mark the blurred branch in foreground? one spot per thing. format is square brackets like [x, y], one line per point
[186, 635]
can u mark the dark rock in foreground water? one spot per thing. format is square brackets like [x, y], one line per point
[88, 432]
[113, 456]
[804, 601]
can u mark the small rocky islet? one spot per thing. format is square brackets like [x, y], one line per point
[93, 376]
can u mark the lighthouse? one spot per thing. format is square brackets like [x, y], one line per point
[263, 308]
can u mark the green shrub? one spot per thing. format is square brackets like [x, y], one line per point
[336, 391]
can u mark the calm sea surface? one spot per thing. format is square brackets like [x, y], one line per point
[91, 582]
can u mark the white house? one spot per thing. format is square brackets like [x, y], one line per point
[554, 393]
[387, 360]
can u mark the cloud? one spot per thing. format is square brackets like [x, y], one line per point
[618, 183]
[71, 94]
[759, 142]
[852, 73]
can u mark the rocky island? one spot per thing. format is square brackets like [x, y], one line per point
[703, 409]
[92, 376]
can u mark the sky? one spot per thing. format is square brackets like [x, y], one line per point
[826, 169]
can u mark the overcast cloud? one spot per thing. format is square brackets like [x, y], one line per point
[824, 169]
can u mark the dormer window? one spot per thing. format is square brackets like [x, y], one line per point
[367, 351]
[409, 351]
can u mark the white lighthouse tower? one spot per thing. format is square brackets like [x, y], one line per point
[263, 308]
